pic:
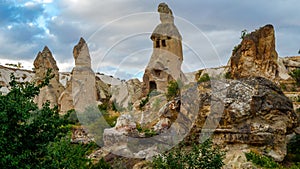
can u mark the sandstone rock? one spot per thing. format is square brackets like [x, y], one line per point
[167, 56]
[83, 79]
[126, 93]
[256, 55]
[42, 63]
[255, 113]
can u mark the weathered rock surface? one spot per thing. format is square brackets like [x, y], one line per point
[126, 93]
[83, 78]
[167, 56]
[256, 55]
[51, 93]
[252, 112]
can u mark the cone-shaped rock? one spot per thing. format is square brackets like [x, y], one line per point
[166, 60]
[42, 63]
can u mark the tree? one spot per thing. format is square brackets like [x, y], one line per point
[25, 130]
[244, 33]
[173, 90]
[299, 51]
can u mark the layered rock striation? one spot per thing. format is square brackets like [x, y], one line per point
[255, 55]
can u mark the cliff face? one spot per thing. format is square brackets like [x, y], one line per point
[256, 55]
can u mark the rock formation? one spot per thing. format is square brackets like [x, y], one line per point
[256, 55]
[167, 57]
[254, 115]
[83, 79]
[42, 63]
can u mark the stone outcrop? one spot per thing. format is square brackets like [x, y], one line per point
[256, 55]
[167, 56]
[249, 114]
[51, 93]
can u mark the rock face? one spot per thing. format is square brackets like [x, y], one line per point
[83, 78]
[42, 63]
[255, 114]
[80, 92]
[167, 57]
[256, 55]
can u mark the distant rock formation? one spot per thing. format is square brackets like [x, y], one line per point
[42, 63]
[167, 57]
[256, 55]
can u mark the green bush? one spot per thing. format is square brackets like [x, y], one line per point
[143, 102]
[200, 156]
[294, 149]
[227, 75]
[296, 75]
[261, 160]
[25, 131]
[173, 90]
[204, 78]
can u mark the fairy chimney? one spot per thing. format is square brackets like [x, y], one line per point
[166, 60]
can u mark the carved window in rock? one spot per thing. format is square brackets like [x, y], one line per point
[157, 44]
[157, 73]
[163, 43]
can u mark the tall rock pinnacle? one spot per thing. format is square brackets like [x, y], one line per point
[81, 54]
[42, 63]
[166, 60]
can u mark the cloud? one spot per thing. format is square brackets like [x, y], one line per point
[118, 31]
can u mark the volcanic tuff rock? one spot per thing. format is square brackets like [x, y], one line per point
[167, 57]
[42, 63]
[250, 113]
[83, 78]
[256, 55]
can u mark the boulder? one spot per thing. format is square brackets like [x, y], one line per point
[250, 112]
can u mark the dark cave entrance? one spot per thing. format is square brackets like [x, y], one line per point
[152, 86]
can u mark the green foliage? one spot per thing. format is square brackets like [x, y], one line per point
[294, 149]
[200, 156]
[143, 102]
[25, 130]
[227, 75]
[261, 160]
[244, 33]
[63, 154]
[102, 164]
[173, 90]
[146, 131]
[296, 75]
[204, 78]
[299, 51]
[283, 86]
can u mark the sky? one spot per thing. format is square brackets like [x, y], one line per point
[118, 31]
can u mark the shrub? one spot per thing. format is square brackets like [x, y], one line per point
[143, 102]
[261, 160]
[227, 75]
[294, 149]
[25, 130]
[200, 156]
[173, 90]
[204, 78]
[296, 75]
